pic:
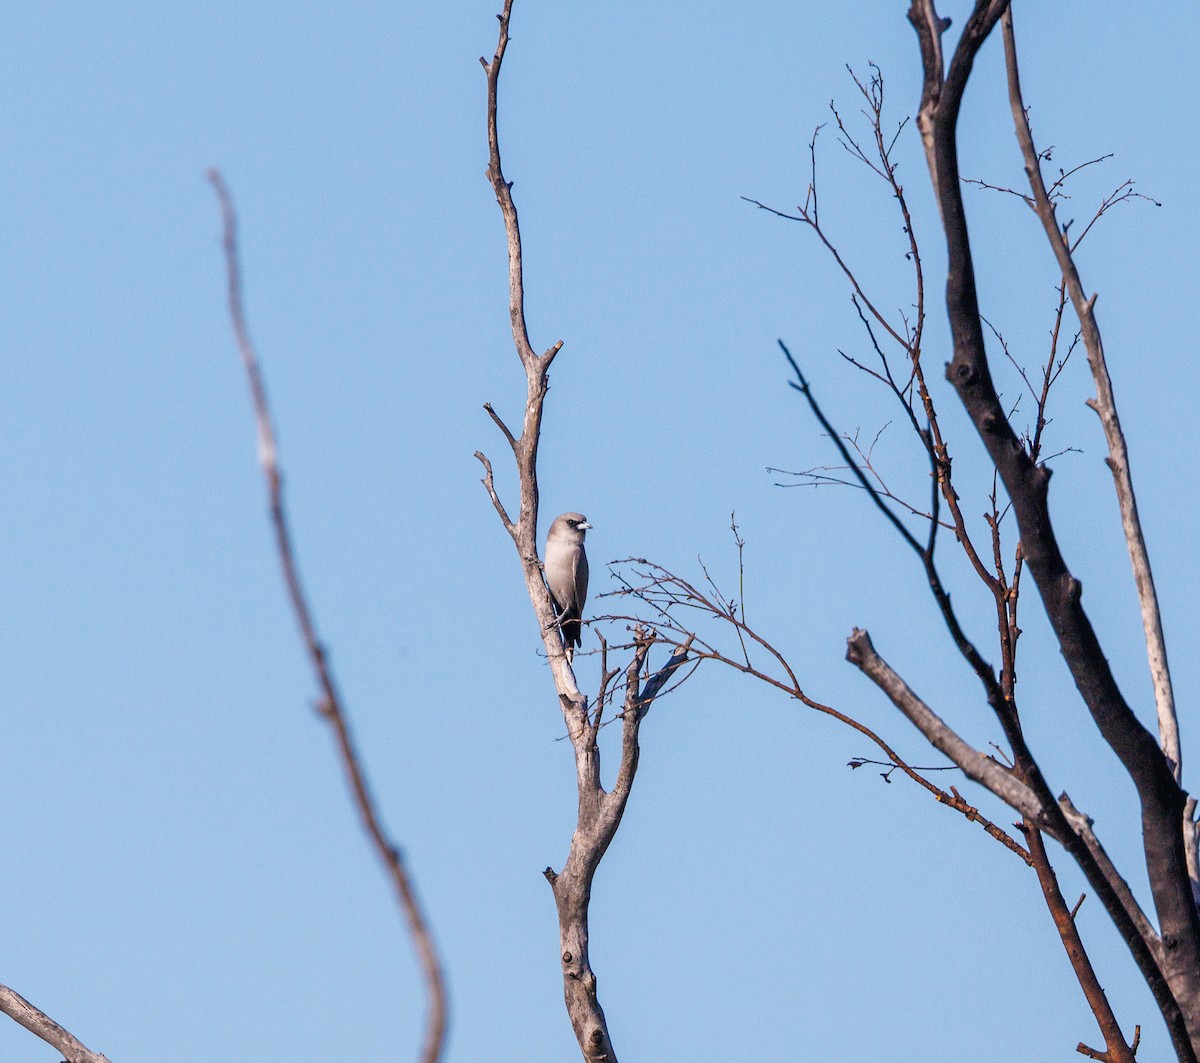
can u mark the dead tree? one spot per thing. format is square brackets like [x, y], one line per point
[1165, 948]
[600, 810]
[1169, 958]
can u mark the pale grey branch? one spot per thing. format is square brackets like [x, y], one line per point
[1105, 406]
[977, 766]
[599, 813]
[330, 703]
[19, 1009]
[1082, 825]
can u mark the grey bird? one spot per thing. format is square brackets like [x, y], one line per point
[567, 575]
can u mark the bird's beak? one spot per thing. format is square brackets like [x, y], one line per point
[585, 524]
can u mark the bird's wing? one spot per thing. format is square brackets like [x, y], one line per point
[581, 580]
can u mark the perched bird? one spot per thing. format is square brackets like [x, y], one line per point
[567, 575]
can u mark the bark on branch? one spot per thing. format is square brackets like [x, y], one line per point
[1105, 406]
[977, 767]
[1027, 484]
[599, 817]
[1082, 826]
[17, 1008]
[1116, 1048]
[599, 812]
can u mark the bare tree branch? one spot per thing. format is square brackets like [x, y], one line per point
[970, 653]
[1082, 826]
[599, 812]
[330, 704]
[1000, 690]
[1027, 484]
[1117, 1051]
[1106, 407]
[984, 770]
[17, 1008]
[600, 815]
[663, 591]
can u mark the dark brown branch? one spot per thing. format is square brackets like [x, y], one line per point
[811, 220]
[966, 647]
[1123, 193]
[826, 476]
[1091, 1053]
[931, 437]
[1000, 692]
[801, 385]
[1027, 485]
[17, 1008]
[330, 704]
[1117, 1051]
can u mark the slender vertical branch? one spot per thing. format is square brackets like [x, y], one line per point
[599, 813]
[1105, 405]
[330, 704]
[1176, 905]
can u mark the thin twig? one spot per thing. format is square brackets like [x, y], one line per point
[663, 590]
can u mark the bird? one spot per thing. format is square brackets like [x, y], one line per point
[567, 575]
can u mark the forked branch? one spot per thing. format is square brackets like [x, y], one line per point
[672, 598]
[599, 812]
[1177, 984]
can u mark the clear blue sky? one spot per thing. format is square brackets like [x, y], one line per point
[184, 878]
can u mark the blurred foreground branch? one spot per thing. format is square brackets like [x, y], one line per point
[330, 703]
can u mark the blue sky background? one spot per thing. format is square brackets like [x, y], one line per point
[184, 877]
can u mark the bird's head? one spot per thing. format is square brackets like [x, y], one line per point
[569, 528]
